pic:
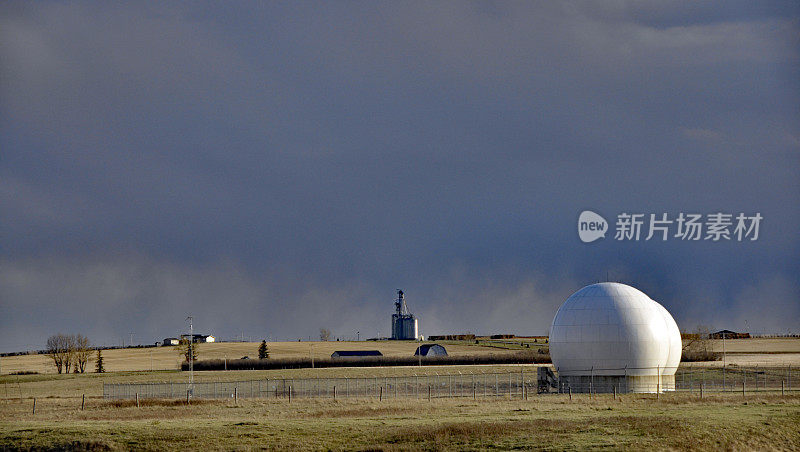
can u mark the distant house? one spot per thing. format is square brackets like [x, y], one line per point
[430, 350]
[355, 353]
[728, 334]
[171, 341]
[199, 337]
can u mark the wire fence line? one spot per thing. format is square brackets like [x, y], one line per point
[684, 379]
[421, 386]
[512, 384]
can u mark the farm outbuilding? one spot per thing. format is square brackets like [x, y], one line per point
[199, 338]
[430, 350]
[171, 341]
[728, 334]
[355, 353]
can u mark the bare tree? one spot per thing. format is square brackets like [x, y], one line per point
[698, 347]
[58, 349]
[187, 349]
[324, 334]
[69, 355]
[83, 350]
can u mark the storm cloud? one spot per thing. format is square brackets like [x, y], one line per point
[273, 169]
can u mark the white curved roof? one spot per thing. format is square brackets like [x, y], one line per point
[614, 329]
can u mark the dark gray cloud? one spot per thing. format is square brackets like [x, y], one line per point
[276, 169]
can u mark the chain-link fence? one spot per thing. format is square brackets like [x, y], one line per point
[510, 384]
[515, 384]
[682, 379]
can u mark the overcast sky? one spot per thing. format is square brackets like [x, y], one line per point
[271, 169]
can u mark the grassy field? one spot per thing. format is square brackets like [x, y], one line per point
[769, 345]
[91, 384]
[761, 422]
[743, 352]
[167, 358]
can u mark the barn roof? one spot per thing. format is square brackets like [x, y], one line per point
[432, 349]
[357, 353]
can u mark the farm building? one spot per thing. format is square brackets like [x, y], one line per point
[171, 341]
[355, 353]
[430, 350]
[728, 334]
[612, 337]
[199, 338]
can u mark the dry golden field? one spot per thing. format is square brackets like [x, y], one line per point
[773, 352]
[741, 352]
[168, 358]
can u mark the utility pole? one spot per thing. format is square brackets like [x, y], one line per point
[131, 342]
[191, 351]
[723, 360]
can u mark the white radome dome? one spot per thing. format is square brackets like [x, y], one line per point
[614, 329]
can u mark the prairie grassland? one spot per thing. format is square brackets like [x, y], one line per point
[675, 421]
[743, 352]
[758, 345]
[91, 384]
[168, 358]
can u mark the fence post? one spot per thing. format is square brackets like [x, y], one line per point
[290, 394]
[450, 385]
[34, 405]
[570, 392]
[137, 400]
[782, 382]
[702, 381]
[334, 393]
[236, 395]
[429, 392]
[615, 392]
[742, 387]
[380, 396]
[187, 396]
[83, 402]
[723, 377]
